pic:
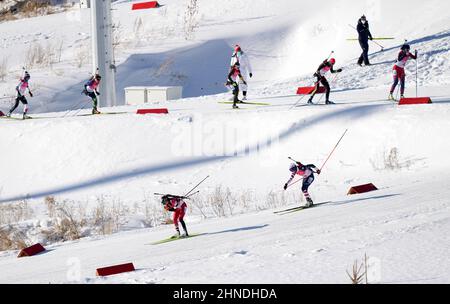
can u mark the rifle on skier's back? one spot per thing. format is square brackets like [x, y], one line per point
[186, 196]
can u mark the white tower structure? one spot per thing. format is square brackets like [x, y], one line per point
[102, 50]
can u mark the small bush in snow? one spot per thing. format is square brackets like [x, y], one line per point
[14, 212]
[67, 220]
[138, 30]
[3, 69]
[82, 55]
[359, 272]
[12, 238]
[390, 160]
[190, 19]
[109, 216]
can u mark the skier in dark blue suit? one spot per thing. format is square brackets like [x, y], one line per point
[363, 36]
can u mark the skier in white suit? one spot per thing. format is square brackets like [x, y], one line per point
[245, 67]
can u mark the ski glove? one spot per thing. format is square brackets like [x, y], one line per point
[31, 94]
[340, 70]
[251, 75]
[285, 186]
[318, 171]
[97, 92]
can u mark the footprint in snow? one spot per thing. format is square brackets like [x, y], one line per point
[242, 252]
[318, 250]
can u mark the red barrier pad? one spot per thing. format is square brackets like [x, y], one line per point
[106, 271]
[362, 189]
[309, 90]
[153, 111]
[145, 5]
[416, 100]
[32, 250]
[1, 114]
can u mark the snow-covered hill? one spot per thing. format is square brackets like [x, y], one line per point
[120, 160]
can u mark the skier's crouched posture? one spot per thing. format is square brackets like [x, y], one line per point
[178, 207]
[307, 173]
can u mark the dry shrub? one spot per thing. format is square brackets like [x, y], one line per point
[12, 238]
[190, 22]
[36, 56]
[36, 8]
[14, 212]
[359, 272]
[155, 215]
[107, 219]
[50, 202]
[67, 221]
[3, 69]
[82, 55]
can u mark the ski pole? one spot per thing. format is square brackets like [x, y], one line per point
[187, 194]
[72, 109]
[196, 192]
[291, 184]
[292, 159]
[417, 75]
[315, 84]
[332, 52]
[398, 92]
[332, 81]
[7, 97]
[300, 99]
[333, 149]
[382, 47]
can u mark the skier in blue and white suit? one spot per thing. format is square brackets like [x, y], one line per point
[307, 173]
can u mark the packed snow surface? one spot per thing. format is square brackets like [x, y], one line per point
[403, 150]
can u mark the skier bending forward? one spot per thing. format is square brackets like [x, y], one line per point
[178, 207]
[322, 70]
[91, 90]
[307, 173]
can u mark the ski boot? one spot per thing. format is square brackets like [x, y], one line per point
[176, 235]
[244, 98]
[391, 97]
[402, 96]
[235, 106]
[310, 101]
[8, 115]
[329, 102]
[309, 202]
[95, 111]
[25, 116]
[185, 234]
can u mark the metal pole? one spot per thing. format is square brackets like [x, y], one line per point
[333, 149]
[187, 194]
[102, 51]
[416, 75]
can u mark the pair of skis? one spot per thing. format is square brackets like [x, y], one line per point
[172, 239]
[246, 103]
[299, 208]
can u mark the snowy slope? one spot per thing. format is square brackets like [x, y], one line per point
[395, 227]
[402, 150]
